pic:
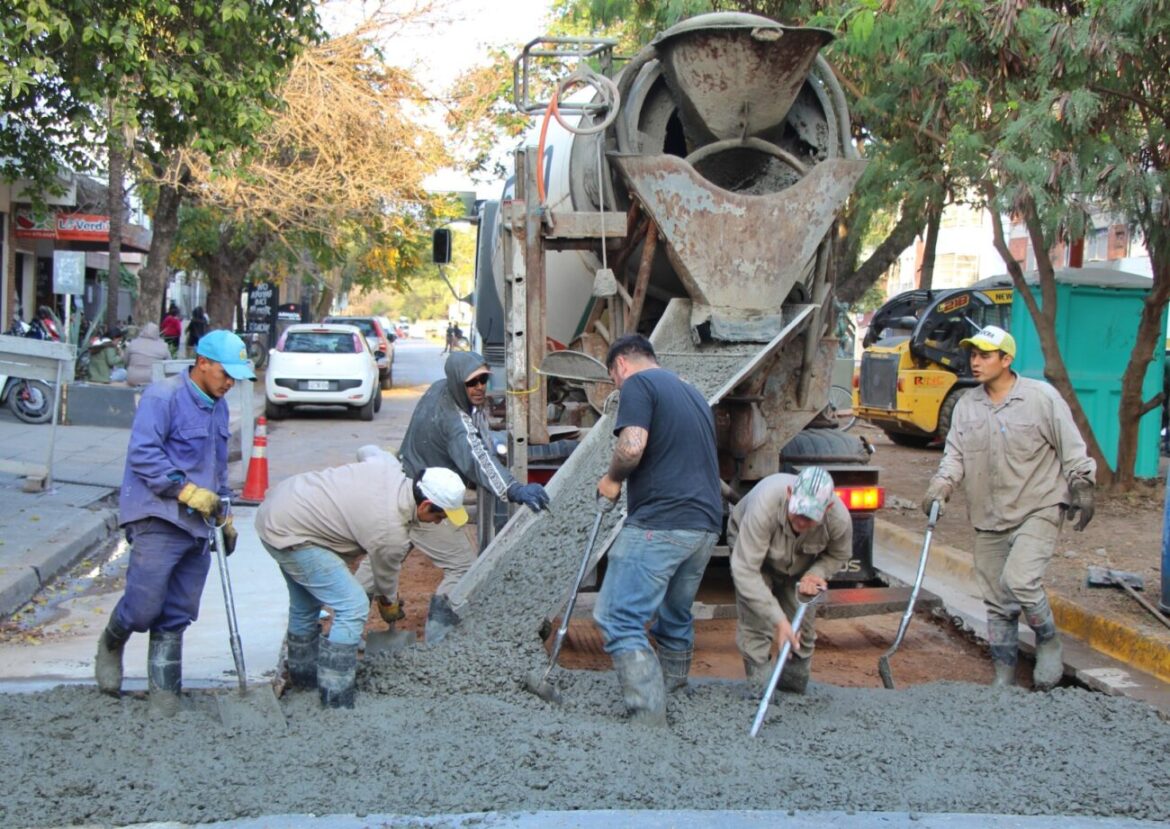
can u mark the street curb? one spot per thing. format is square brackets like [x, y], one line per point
[58, 552]
[1109, 636]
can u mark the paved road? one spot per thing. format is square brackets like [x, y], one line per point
[61, 650]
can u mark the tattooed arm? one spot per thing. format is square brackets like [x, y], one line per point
[627, 454]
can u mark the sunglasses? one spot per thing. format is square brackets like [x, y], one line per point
[481, 380]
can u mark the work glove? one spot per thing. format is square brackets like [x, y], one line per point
[532, 496]
[937, 491]
[201, 500]
[390, 612]
[230, 537]
[1082, 498]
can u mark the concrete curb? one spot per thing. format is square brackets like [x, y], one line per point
[1109, 636]
[60, 550]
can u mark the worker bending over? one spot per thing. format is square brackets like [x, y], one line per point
[788, 536]
[313, 522]
[1024, 469]
[666, 450]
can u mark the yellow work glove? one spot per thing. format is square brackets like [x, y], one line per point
[199, 499]
[230, 537]
[390, 612]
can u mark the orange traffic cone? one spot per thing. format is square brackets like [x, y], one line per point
[256, 484]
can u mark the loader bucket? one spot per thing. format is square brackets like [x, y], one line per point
[735, 75]
[735, 251]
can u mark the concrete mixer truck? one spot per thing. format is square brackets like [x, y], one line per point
[692, 196]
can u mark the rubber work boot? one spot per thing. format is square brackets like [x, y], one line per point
[1049, 660]
[107, 666]
[1003, 635]
[676, 666]
[302, 660]
[758, 674]
[336, 669]
[794, 677]
[164, 672]
[643, 690]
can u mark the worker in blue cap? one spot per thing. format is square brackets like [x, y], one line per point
[174, 484]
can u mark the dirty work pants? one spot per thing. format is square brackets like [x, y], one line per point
[652, 572]
[317, 577]
[444, 544]
[754, 634]
[1010, 565]
[164, 580]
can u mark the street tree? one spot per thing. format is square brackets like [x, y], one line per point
[347, 148]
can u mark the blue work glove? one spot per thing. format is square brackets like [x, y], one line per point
[532, 496]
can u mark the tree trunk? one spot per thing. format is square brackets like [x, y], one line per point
[227, 270]
[1044, 318]
[933, 220]
[152, 278]
[117, 162]
[854, 285]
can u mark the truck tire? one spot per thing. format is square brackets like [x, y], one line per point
[907, 439]
[946, 412]
[823, 446]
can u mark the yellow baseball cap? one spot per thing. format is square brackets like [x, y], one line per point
[993, 338]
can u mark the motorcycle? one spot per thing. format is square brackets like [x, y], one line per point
[30, 400]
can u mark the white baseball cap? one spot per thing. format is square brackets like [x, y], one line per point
[445, 490]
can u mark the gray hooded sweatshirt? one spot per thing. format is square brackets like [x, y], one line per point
[445, 431]
[142, 353]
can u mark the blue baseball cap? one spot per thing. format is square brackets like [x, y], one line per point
[228, 350]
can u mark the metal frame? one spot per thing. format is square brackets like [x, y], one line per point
[586, 47]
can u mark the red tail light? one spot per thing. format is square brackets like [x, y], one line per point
[862, 497]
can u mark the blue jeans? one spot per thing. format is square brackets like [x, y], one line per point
[164, 580]
[652, 572]
[317, 577]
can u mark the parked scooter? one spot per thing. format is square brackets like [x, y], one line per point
[30, 400]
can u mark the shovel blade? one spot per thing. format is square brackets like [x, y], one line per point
[255, 710]
[1104, 577]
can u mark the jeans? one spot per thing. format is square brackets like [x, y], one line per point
[652, 572]
[317, 577]
[164, 581]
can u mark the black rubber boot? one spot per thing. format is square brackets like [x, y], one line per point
[1049, 657]
[758, 674]
[164, 672]
[1003, 635]
[336, 669]
[107, 666]
[676, 666]
[642, 687]
[302, 660]
[794, 677]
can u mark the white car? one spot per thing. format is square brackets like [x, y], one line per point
[321, 364]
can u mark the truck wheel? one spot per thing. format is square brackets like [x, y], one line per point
[946, 413]
[823, 446]
[906, 439]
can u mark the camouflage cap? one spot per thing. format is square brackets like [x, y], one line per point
[811, 493]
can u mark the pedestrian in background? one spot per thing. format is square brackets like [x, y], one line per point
[175, 477]
[196, 327]
[1024, 469]
[666, 451]
[142, 353]
[105, 359]
[788, 536]
[172, 327]
[313, 523]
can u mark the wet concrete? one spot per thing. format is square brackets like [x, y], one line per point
[448, 728]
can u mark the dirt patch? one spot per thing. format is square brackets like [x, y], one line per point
[1125, 533]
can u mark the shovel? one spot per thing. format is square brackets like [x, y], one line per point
[1129, 582]
[884, 660]
[259, 709]
[781, 659]
[537, 681]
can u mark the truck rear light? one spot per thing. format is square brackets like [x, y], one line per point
[858, 498]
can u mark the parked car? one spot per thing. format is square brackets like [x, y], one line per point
[322, 364]
[381, 340]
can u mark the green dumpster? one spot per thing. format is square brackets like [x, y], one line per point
[1096, 328]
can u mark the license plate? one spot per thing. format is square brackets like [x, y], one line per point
[317, 385]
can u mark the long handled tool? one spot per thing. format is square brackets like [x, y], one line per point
[781, 659]
[228, 600]
[884, 659]
[537, 681]
[1129, 582]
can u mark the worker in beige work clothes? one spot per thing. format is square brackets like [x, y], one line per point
[788, 536]
[1015, 448]
[313, 523]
